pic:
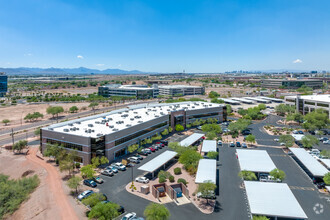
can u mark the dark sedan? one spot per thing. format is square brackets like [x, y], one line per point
[90, 183]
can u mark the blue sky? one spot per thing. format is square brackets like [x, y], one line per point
[166, 36]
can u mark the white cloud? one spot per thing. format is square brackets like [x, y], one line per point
[80, 57]
[119, 65]
[297, 61]
[28, 54]
[100, 64]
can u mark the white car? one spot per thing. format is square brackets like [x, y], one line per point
[282, 144]
[129, 216]
[119, 166]
[142, 179]
[276, 139]
[220, 143]
[85, 194]
[326, 142]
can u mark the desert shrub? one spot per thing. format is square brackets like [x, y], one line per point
[177, 171]
[171, 178]
[162, 179]
[181, 180]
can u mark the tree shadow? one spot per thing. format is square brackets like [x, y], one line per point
[217, 207]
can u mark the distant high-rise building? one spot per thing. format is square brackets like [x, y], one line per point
[3, 84]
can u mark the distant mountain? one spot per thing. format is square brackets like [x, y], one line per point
[64, 71]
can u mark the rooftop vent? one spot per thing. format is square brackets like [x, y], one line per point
[132, 119]
[90, 125]
[51, 129]
[99, 134]
[70, 124]
[140, 121]
[128, 125]
[78, 122]
[115, 129]
[66, 130]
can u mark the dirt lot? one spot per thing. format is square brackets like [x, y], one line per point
[17, 113]
[43, 202]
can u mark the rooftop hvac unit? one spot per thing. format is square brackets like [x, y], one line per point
[140, 121]
[51, 129]
[132, 119]
[77, 129]
[128, 125]
[70, 124]
[111, 126]
[97, 122]
[66, 130]
[78, 122]
[115, 129]
[90, 125]
[156, 116]
[99, 134]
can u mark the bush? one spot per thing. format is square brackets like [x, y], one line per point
[171, 178]
[177, 171]
[181, 180]
[77, 165]
[162, 179]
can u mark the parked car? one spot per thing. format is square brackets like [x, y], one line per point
[143, 152]
[210, 195]
[142, 179]
[164, 142]
[85, 194]
[129, 216]
[238, 144]
[282, 144]
[323, 139]
[90, 183]
[112, 168]
[152, 149]
[320, 185]
[268, 178]
[130, 165]
[244, 145]
[156, 146]
[312, 132]
[246, 132]
[220, 143]
[107, 172]
[147, 150]
[119, 166]
[121, 209]
[226, 123]
[98, 179]
[326, 142]
[295, 132]
[199, 127]
[276, 139]
[300, 132]
[138, 156]
[134, 160]
[232, 144]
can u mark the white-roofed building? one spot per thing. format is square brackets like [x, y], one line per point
[207, 171]
[209, 145]
[273, 200]
[315, 168]
[257, 161]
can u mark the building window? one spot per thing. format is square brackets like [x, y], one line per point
[65, 145]
[323, 105]
[203, 115]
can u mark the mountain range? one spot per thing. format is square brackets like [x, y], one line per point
[64, 71]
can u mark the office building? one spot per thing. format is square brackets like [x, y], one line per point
[3, 84]
[138, 91]
[309, 103]
[291, 84]
[110, 134]
[178, 90]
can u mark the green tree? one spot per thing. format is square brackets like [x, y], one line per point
[308, 141]
[212, 128]
[165, 132]
[212, 154]
[156, 211]
[262, 106]
[251, 139]
[213, 94]
[74, 183]
[205, 188]
[297, 117]
[325, 153]
[73, 109]
[37, 132]
[66, 164]
[247, 175]
[277, 174]
[211, 135]
[179, 128]
[229, 109]
[93, 105]
[104, 160]
[326, 179]
[190, 159]
[19, 146]
[132, 148]
[317, 119]
[5, 121]
[55, 110]
[239, 125]
[87, 171]
[93, 199]
[170, 129]
[95, 162]
[104, 211]
[288, 140]
[259, 217]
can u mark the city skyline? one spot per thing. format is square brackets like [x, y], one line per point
[166, 36]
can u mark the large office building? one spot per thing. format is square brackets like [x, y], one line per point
[110, 134]
[174, 90]
[139, 91]
[309, 103]
[3, 84]
[291, 84]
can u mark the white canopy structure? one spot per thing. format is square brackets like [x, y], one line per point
[273, 200]
[298, 137]
[191, 139]
[314, 167]
[158, 161]
[209, 145]
[207, 171]
[326, 162]
[255, 161]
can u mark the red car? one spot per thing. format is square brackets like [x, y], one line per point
[161, 144]
[152, 149]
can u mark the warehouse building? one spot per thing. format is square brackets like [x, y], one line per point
[110, 134]
[177, 90]
[291, 84]
[309, 103]
[138, 91]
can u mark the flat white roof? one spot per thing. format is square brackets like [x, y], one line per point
[255, 160]
[298, 137]
[326, 162]
[207, 171]
[258, 99]
[191, 139]
[243, 100]
[178, 86]
[230, 101]
[273, 200]
[328, 188]
[315, 167]
[110, 122]
[318, 98]
[158, 161]
[271, 99]
[209, 145]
